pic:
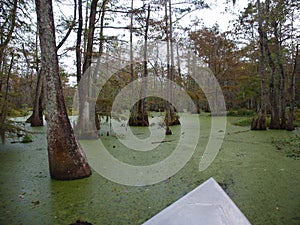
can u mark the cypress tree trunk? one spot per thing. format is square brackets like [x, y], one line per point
[281, 84]
[259, 123]
[172, 117]
[36, 119]
[3, 109]
[274, 123]
[86, 125]
[290, 125]
[78, 42]
[139, 114]
[66, 158]
[5, 39]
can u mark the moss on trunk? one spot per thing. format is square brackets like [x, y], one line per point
[67, 161]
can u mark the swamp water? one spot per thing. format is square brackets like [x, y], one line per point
[262, 181]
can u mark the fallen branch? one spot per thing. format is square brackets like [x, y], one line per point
[241, 131]
[156, 142]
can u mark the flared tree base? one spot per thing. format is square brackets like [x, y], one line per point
[140, 120]
[35, 120]
[168, 131]
[259, 123]
[173, 120]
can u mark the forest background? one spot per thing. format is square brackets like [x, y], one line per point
[256, 62]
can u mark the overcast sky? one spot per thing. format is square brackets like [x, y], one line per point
[216, 14]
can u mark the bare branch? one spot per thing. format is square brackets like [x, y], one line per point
[72, 25]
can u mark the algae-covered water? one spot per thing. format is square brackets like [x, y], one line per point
[255, 172]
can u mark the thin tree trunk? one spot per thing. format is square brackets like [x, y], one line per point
[86, 121]
[167, 104]
[281, 85]
[3, 112]
[259, 123]
[5, 40]
[89, 49]
[101, 44]
[273, 96]
[78, 42]
[86, 30]
[102, 20]
[28, 88]
[131, 52]
[36, 119]
[139, 115]
[171, 117]
[66, 158]
[290, 125]
[145, 82]
[178, 62]
[12, 19]
[71, 26]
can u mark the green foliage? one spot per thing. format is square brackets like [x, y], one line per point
[241, 112]
[17, 112]
[12, 128]
[27, 138]
[290, 146]
[297, 118]
[103, 106]
[249, 85]
[243, 122]
[155, 104]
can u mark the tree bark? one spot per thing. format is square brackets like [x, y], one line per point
[86, 126]
[3, 112]
[67, 160]
[91, 32]
[273, 96]
[3, 46]
[78, 42]
[131, 52]
[12, 19]
[36, 119]
[259, 123]
[139, 114]
[171, 117]
[167, 104]
[101, 44]
[281, 84]
[290, 125]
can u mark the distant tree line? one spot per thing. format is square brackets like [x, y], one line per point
[256, 63]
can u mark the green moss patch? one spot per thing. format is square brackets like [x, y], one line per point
[262, 181]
